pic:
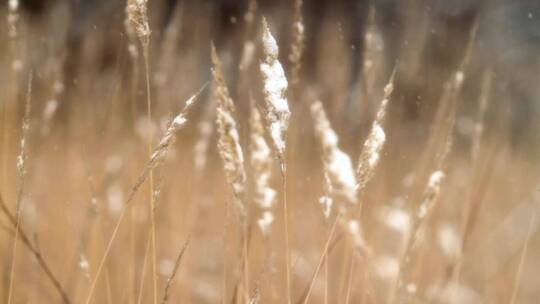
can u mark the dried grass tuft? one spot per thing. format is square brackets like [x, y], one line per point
[229, 140]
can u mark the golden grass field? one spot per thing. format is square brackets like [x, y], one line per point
[75, 139]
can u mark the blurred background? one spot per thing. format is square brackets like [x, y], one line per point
[467, 67]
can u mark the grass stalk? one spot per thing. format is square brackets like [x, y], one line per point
[151, 174]
[36, 253]
[21, 167]
[323, 258]
[286, 232]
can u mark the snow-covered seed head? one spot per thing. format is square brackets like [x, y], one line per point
[25, 130]
[326, 200]
[340, 181]
[275, 87]
[371, 152]
[431, 193]
[297, 45]
[137, 16]
[229, 140]
[261, 164]
[337, 164]
[176, 124]
[435, 179]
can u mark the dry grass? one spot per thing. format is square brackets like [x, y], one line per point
[104, 181]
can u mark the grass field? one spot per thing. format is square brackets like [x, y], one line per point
[115, 189]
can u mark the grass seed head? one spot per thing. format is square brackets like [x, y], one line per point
[261, 164]
[229, 140]
[275, 87]
[137, 15]
[337, 164]
[371, 153]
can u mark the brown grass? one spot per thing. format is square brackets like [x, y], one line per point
[72, 194]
